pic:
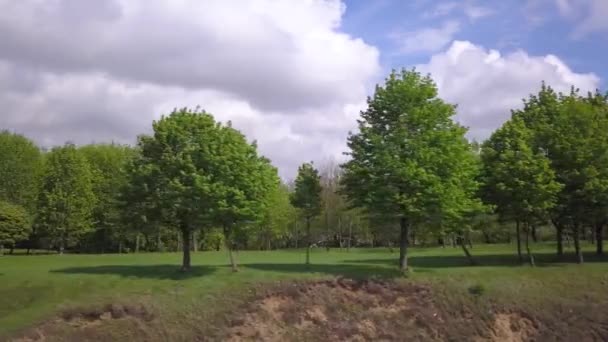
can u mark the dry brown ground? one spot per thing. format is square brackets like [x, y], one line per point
[335, 310]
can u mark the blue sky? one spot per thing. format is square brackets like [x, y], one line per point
[538, 27]
[291, 74]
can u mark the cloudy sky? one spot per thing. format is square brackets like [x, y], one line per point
[291, 74]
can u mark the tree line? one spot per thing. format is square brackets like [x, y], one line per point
[411, 177]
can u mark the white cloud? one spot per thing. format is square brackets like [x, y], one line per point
[468, 8]
[588, 16]
[486, 85]
[427, 39]
[282, 71]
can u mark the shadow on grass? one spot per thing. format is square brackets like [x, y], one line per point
[141, 271]
[495, 260]
[351, 271]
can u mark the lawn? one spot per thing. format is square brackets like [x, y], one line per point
[34, 288]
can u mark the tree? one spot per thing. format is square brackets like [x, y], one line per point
[580, 160]
[20, 167]
[519, 182]
[307, 198]
[14, 224]
[405, 154]
[196, 173]
[241, 182]
[108, 163]
[66, 199]
[276, 217]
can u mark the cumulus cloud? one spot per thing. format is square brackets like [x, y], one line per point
[427, 39]
[486, 85]
[103, 70]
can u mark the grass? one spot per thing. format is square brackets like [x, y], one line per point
[33, 288]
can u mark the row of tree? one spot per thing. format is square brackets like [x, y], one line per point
[411, 177]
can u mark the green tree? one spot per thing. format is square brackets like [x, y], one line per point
[108, 163]
[307, 198]
[276, 217]
[20, 168]
[196, 173]
[405, 154]
[518, 181]
[580, 160]
[15, 225]
[66, 199]
[241, 181]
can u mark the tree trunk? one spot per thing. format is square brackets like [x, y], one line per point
[577, 243]
[1, 249]
[469, 240]
[194, 242]
[559, 229]
[403, 244]
[599, 239]
[350, 235]
[179, 243]
[327, 239]
[528, 231]
[340, 233]
[159, 242]
[518, 241]
[228, 243]
[61, 244]
[186, 263]
[137, 243]
[472, 261]
[533, 233]
[308, 241]
[120, 246]
[297, 233]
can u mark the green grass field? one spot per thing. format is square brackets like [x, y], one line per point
[34, 288]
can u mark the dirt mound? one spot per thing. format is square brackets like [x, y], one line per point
[341, 310]
[87, 323]
[513, 327]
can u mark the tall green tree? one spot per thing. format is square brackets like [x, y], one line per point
[196, 173]
[15, 224]
[20, 168]
[518, 181]
[405, 153]
[277, 216]
[307, 198]
[66, 199]
[108, 163]
[580, 160]
[241, 181]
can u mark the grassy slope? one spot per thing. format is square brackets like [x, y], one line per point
[33, 287]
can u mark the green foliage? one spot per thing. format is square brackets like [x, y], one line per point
[20, 168]
[108, 163]
[307, 193]
[66, 200]
[408, 151]
[276, 216]
[519, 182]
[14, 224]
[214, 240]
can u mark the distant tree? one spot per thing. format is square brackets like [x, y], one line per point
[66, 199]
[20, 168]
[307, 198]
[405, 154]
[276, 217]
[15, 225]
[519, 182]
[108, 163]
[242, 180]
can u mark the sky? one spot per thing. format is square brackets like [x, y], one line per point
[292, 75]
